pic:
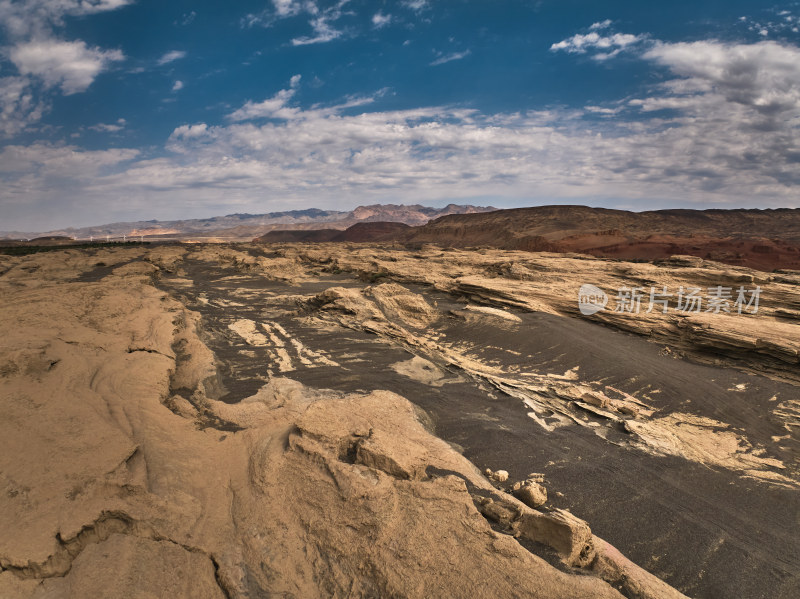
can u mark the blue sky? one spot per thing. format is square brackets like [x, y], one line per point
[142, 109]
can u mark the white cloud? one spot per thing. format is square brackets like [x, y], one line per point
[289, 8]
[171, 57]
[600, 25]
[437, 152]
[73, 66]
[604, 110]
[190, 131]
[40, 57]
[18, 108]
[450, 57]
[47, 160]
[785, 23]
[324, 31]
[177, 86]
[109, 127]
[608, 45]
[322, 20]
[416, 5]
[324, 155]
[763, 76]
[28, 17]
[380, 20]
[274, 107]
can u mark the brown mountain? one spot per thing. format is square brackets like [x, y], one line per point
[360, 232]
[763, 239]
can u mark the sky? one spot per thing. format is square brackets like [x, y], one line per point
[120, 110]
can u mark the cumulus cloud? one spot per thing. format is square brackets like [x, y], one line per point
[177, 86]
[72, 66]
[763, 76]
[450, 57]
[190, 131]
[605, 46]
[42, 61]
[171, 57]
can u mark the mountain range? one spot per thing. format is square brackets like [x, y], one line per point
[763, 239]
[253, 225]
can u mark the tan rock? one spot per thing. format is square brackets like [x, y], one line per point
[595, 398]
[570, 536]
[109, 492]
[500, 476]
[531, 494]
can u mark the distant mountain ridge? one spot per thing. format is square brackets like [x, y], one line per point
[251, 225]
[760, 238]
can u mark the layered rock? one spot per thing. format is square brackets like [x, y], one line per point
[123, 475]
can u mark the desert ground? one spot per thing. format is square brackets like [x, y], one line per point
[370, 420]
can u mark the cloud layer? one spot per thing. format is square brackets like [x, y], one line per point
[718, 126]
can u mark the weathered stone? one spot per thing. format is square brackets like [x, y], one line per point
[570, 536]
[531, 493]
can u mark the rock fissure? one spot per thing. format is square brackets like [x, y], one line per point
[108, 523]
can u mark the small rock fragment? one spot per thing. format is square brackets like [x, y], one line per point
[568, 535]
[531, 493]
[500, 476]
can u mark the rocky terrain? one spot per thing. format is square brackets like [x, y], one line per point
[362, 420]
[762, 239]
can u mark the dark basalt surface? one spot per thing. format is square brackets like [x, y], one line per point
[708, 531]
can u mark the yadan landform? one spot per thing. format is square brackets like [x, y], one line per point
[393, 419]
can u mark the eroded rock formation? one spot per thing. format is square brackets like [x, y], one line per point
[124, 475]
